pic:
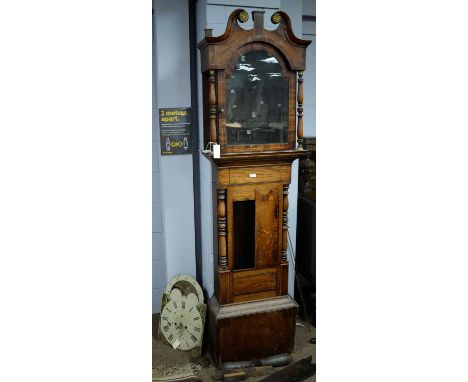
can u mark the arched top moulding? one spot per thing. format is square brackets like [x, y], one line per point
[215, 50]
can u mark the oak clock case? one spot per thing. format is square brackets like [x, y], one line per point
[252, 90]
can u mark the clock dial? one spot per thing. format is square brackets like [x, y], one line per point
[186, 285]
[176, 294]
[181, 324]
[182, 314]
[192, 298]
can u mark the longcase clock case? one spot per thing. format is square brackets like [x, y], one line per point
[252, 90]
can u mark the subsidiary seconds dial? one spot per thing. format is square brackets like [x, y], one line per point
[181, 323]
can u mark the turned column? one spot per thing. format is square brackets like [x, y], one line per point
[222, 229]
[212, 106]
[284, 253]
[300, 109]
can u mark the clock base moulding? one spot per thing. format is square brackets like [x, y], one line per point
[251, 330]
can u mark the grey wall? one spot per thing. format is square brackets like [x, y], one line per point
[159, 258]
[308, 7]
[173, 206]
[206, 183]
[308, 33]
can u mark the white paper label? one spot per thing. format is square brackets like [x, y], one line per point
[217, 151]
[253, 175]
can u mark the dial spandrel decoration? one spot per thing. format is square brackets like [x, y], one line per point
[182, 314]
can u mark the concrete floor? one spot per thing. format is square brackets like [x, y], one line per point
[165, 356]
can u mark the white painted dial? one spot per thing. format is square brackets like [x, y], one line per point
[181, 324]
[186, 283]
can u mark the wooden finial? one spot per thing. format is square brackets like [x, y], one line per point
[258, 21]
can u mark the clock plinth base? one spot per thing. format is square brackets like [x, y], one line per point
[251, 330]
